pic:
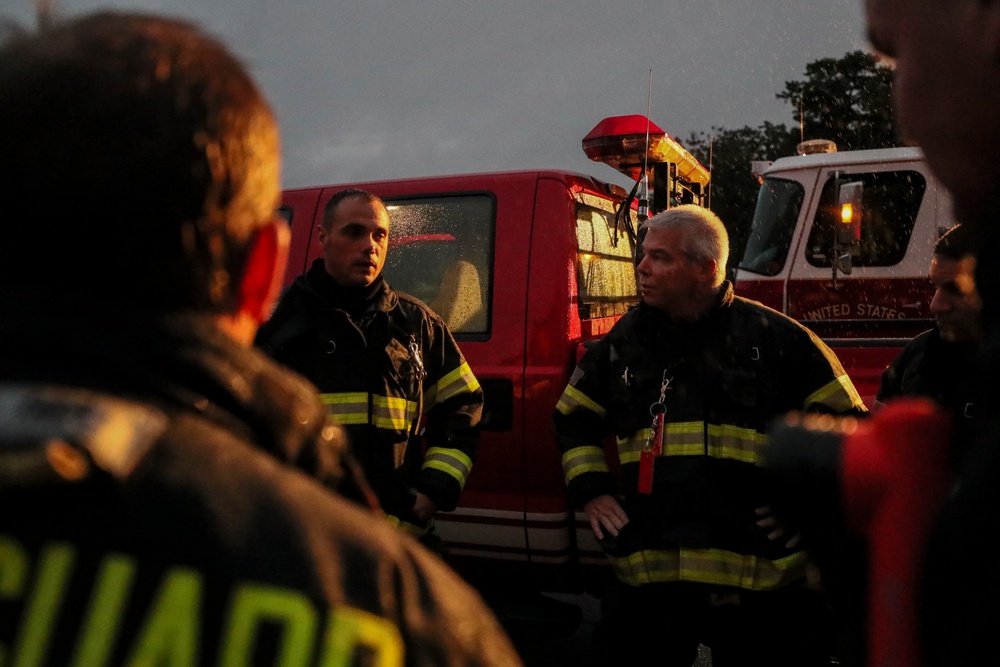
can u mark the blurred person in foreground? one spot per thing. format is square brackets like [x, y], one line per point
[947, 100]
[687, 381]
[152, 512]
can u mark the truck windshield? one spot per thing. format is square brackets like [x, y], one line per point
[441, 251]
[605, 269]
[778, 206]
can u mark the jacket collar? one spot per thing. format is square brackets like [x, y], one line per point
[178, 362]
[318, 283]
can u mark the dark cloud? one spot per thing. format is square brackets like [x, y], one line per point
[377, 89]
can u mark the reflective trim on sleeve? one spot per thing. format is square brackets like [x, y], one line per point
[459, 381]
[407, 527]
[708, 566]
[573, 399]
[584, 459]
[839, 395]
[390, 412]
[451, 461]
[347, 407]
[688, 439]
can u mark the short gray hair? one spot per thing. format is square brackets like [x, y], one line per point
[705, 237]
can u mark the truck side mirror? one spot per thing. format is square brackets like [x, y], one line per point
[842, 262]
[849, 213]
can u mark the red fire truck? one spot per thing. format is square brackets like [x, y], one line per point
[842, 242]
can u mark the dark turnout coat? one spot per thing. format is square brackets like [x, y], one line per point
[152, 513]
[727, 376]
[380, 375]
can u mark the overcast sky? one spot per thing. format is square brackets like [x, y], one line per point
[377, 89]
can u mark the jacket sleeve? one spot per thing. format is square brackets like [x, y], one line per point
[453, 405]
[821, 379]
[580, 422]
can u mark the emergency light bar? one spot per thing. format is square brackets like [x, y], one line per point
[620, 143]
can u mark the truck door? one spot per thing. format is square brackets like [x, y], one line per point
[884, 301]
[299, 208]
[887, 293]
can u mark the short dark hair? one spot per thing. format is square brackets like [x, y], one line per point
[140, 157]
[958, 242]
[347, 193]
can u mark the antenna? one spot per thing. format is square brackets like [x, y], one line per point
[802, 121]
[711, 147]
[643, 212]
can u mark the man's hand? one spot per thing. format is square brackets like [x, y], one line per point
[768, 521]
[423, 507]
[604, 511]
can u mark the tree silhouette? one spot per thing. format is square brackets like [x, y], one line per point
[846, 99]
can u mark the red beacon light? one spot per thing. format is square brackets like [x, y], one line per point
[620, 143]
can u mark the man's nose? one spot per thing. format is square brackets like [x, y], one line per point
[939, 303]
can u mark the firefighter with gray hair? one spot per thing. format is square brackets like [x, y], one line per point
[687, 382]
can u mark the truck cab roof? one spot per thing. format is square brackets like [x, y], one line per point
[846, 158]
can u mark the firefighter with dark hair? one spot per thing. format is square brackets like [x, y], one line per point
[687, 382]
[154, 505]
[941, 363]
[388, 367]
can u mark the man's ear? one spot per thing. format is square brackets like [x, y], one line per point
[708, 269]
[265, 267]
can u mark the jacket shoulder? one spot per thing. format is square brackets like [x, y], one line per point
[415, 310]
[756, 312]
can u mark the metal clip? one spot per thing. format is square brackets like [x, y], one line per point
[664, 383]
[657, 411]
[416, 358]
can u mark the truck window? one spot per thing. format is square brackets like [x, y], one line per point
[890, 204]
[441, 251]
[778, 206]
[604, 265]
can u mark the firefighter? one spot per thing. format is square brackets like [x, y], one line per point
[152, 513]
[687, 382]
[941, 363]
[383, 361]
[947, 95]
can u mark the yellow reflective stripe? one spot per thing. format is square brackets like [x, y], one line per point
[688, 439]
[453, 462]
[393, 413]
[579, 460]
[679, 439]
[839, 395]
[734, 442]
[459, 381]
[708, 566]
[347, 407]
[573, 399]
